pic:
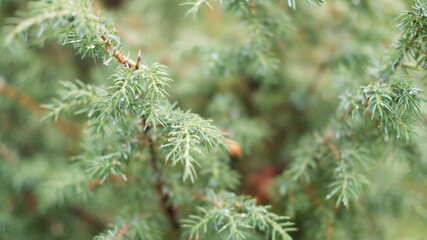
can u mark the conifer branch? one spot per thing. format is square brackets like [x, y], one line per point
[137, 89]
[30, 22]
[236, 216]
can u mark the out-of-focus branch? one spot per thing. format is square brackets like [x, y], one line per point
[23, 99]
[8, 154]
[30, 104]
[89, 218]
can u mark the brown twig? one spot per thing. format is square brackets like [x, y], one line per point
[334, 149]
[110, 48]
[312, 196]
[138, 61]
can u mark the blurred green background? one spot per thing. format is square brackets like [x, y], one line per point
[321, 52]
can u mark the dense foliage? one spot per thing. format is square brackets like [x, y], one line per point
[317, 130]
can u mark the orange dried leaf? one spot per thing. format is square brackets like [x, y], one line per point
[94, 183]
[234, 149]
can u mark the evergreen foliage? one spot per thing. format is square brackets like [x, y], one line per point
[119, 156]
